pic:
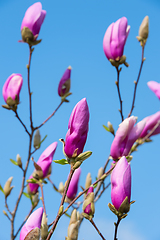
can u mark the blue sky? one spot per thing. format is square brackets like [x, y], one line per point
[72, 34]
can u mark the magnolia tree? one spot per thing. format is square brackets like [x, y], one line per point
[129, 136]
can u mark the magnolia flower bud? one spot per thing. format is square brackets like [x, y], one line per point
[73, 185]
[11, 90]
[19, 162]
[32, 22]
[121, 185]
[64, 84]
[125, 137]
[37, 139]
[88, 180]
[43, 163]
[31, 229]
[155, 87]
[44, 227]
[7, 187]
[88, 204]
[151, 121]
[115, 38]
[77, 129]
[73, 226]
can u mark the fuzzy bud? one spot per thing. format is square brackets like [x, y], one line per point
[61, 188]
[110, 126]
[88, 180]
[37, 139]
[73, 226]
[7, 187]
[19, 162]
[44, 227]
[143, 31]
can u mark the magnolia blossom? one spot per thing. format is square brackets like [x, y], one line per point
[151, 121]
[44, 162]
[77, 129]
[125, 137]
[115, 39]
[34, 18]
[34, 221]
[121, 182]
[88, 209]
[155, 87]
[73, 186]
[64, 84]
[12, 87]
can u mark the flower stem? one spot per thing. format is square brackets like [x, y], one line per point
[136, 82]
[91, 220]
[61, 204]
[29, 149]
[17, 116]
[41, 186]
[119, 94]
[49, 116]
[116, 228]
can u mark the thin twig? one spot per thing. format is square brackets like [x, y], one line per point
[49, 116]
[116, 228]
[102, 192]
[80, 194]
[91, 220]
[99, 185]
[59, 214]
[29, 89]
[136, 82]
[119, 94]
[29, 150]
[41, 186]
[6, 205]
[17, 116]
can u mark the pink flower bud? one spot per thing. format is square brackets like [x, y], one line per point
[34, 221]
[115, 38]
[77, 129]
[151, 121]
[73, 186]
[64, 84]
[44, 162]
[121, 182]
[34, 18]
[12, 87]
[88, 210]
[125, 137]
[155, 87]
